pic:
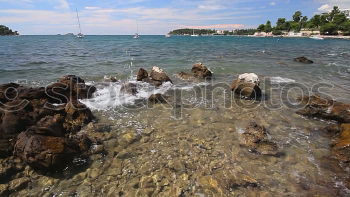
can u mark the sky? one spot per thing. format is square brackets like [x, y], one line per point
[152, 17]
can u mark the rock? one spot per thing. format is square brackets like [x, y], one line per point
[254, 138]
[8, 92]
[323, 108]
[46, 152]
[186, 76]
[18, 184]
[157, 98]
[249, 78]
[4, 190]
[303, 60]
[142, 74]
[50, 125]
[69, 88]
[341, 146]
[201, 71]
[99, 127]
[210, 183]
[77, 115]
[110, 79]
[247, 86]
[129, 88]
[129, 138]
[158, 74]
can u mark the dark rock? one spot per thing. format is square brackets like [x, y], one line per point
[157, 98]
[323, 108]
[77, 115]
[69, 88]
[8, 92]
[50, 126]
[129, 88]
[303, 60]
[46, 152]
[142, 74]
[201, 71]
[246, 89]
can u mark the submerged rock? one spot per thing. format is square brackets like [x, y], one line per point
[318, 107]
[47, 152]
[157, 98]
[247, 86]
[254, 138]
[341, 146]
[303, 60]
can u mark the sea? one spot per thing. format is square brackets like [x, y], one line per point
[192, 148]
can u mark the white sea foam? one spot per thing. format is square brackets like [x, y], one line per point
[109, 96]
[276, 80]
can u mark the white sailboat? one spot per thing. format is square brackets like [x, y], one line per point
[80, 34]
[194, 35]
[136, 36]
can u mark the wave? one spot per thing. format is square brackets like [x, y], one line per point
[277, 80]
[109, 95]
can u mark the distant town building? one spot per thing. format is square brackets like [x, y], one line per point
[346, 12]
[308, 32]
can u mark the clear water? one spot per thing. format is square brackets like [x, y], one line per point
[304, 169]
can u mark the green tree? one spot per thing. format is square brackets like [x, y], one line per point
[345, 27]
[329, 29]
[315, 21]
[297, 16]
[294, 26]
[261, 28]
[339, 19]
[268, 27]
[303, 22]
[280, 25]
[334, 12]
[5, 31]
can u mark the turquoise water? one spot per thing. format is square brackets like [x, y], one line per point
[44, 58]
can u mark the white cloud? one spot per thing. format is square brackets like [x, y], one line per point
[62, 4]
[327, 5]
[324, 8]
[92, 8]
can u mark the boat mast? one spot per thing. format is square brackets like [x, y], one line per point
[78, 21]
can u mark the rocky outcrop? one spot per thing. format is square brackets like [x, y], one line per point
[199, 71]
[46, 120]
[247, 86]
[157, 76]
[303, 60]
[255, 138]
[318, 107]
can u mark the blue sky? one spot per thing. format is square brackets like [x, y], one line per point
[153, 16]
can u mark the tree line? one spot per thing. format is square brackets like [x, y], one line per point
[5, 31]
[327, 23]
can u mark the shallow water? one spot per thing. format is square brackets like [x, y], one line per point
[191, 148]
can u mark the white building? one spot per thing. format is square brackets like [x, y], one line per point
[346, 12]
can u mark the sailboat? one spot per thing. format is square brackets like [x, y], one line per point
[194, 35]
[136, 36]
[80, 35]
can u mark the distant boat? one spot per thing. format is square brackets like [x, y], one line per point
[79, 35]
[194, 35]
[316, 38]
[136, 36]
[167, 35]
